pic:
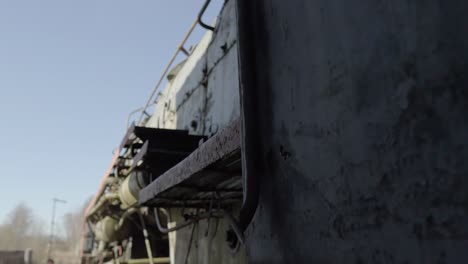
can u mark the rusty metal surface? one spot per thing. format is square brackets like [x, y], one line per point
[214, 166]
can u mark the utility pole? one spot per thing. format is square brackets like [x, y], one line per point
[52, 226]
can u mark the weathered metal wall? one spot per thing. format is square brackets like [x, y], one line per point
[203, 243]
[362, 110]
[204, 96]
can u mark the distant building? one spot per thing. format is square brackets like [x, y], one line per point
[16, 257]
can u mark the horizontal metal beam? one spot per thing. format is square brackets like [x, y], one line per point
[146, 261]
[213, 151]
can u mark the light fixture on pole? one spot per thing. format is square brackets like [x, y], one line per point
[52, 226]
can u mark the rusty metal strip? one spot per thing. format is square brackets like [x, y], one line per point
[213, 150]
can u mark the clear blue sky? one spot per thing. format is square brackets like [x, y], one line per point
[70, 72]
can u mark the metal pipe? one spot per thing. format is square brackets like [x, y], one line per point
[134, 112]
[102, 186]
[168, 230]
[235, 226]
[105, 198]
[156, 87]
[190, 244]
[180, 48]
[125, 215]
[250, 121]
[116, 256]
[231, 221]
[103, 183]
[147, 243]
[187, 223]
[146, 261]
[200, 15]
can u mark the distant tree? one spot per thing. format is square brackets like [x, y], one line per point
[22, 230]
[73, 224]
[38, 240]
[5, 237]
[15, 231]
